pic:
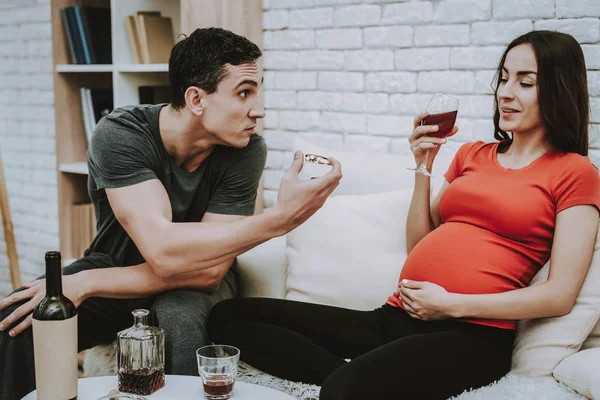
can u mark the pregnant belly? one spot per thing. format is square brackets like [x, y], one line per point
[463, 258]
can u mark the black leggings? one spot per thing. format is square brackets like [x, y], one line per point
[393, 355]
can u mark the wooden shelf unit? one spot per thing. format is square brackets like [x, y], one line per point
[124, 76]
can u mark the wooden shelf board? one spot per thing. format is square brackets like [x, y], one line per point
[84, 68]
[142, 67]
[74, 168]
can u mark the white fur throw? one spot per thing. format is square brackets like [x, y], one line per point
[101, 361]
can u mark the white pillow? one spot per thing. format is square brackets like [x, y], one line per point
[581, 372]
[366, 173]
[350, 252]
[593, 339]
[541, 344]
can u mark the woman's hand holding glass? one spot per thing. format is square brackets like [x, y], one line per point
[425, 147]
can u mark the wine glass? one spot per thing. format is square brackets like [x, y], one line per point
[441, 111]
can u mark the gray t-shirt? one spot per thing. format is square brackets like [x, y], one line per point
[127, 149]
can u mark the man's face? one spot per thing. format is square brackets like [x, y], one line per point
[231, 113]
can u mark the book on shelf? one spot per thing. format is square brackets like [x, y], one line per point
[95, 104]
[154, 94]
[87, 30]
[150, 37]
[83, 223]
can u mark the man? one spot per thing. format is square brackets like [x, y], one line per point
[174, 189]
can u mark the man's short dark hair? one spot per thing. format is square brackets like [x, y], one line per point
[199, 60]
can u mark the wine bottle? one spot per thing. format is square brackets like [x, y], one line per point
[55, 338]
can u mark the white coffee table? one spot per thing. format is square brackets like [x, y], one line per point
[177, 387]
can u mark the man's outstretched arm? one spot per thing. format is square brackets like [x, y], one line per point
[172, 248]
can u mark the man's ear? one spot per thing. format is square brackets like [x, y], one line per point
[194, 99]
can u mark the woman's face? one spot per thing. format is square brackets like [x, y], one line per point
[518, 93]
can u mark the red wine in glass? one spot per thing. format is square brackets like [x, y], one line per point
[445, 122]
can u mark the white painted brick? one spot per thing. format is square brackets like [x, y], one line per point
[392, 82]
[369, 60]
[320, 101]
[312, 18]
[595, 109]
[271, 120]
[266, 4]
[367, 144]
[10, 49]
[442, 35]
[476, 57]
[296, 80]
[15, 143]
[389, 125]
[9, 66]
[274, 159]
[276, 19]
[376, 103]
[483, 129]
[343, 122]
[362, 15]
[280, 60]
[27, 97]
[476, 106]
[446, 82]
[44, 176]
[279, 139]
[503, 33]
[389, 36]
[38, 48]
[290, 39]
[34, 65]
[321, 60]
[341, 81]
[409, 104]
[414, 12]
[332, 141]
[484, 81]
[353, 102]
[35, 31]
[276, 4]
[400, 146]
[270, 197]
[517, 9]
[335, 2]
[298, 121]
[42, 145]
[579, 8]
[416, 59]
[585, 30]
[594, 82]
[339, 38]
[452, 11]
[592, 56]
[28, 14]
[280, 99]
[272, 178]
[268, 80]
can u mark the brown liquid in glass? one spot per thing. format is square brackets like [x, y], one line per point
[143, 381]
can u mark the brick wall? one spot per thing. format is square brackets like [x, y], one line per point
[352, 74]
[27, 134]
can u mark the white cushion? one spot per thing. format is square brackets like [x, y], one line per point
[541, 344]
[367, 173]
[593, 339]
[581, 372]
[263, 270]
[350, 252]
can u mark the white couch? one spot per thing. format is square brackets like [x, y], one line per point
[350, 253]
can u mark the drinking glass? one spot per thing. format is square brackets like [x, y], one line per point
[217, 365]
[441, 111]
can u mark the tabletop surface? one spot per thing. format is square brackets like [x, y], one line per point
[177, 387]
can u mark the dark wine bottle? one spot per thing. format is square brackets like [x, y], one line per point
[55, 338]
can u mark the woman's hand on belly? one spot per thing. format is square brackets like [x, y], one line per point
[425, 300]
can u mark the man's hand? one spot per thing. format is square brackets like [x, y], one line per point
[34, 292]
[425, 300]
[298, 200]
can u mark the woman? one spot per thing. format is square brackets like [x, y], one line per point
[504, 210]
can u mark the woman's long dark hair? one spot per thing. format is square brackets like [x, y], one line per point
[562, 89]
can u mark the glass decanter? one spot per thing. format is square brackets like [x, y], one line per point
[141, 356]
